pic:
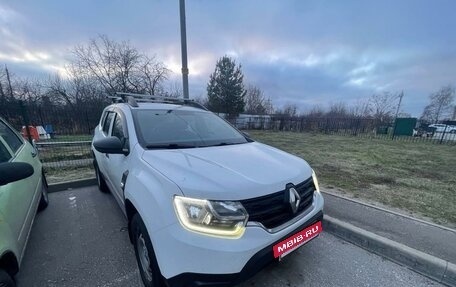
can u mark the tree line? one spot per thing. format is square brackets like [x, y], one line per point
[94, 70]
[226, 93]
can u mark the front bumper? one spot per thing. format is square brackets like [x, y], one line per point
[187, 258]
[260, 260]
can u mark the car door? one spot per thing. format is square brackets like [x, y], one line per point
[19, 200]
[118, 163]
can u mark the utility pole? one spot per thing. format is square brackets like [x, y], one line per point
[10, 87]
[400, 102]
[397, 112]
[184, 48]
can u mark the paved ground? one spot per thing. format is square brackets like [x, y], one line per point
[424, 237]
[81, 240]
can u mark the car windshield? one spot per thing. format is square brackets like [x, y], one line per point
[184, 129]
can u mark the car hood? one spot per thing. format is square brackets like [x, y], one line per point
[232, 172]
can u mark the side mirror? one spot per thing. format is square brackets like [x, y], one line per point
[14, 171]
[110, 145]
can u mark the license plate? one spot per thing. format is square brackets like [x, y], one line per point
[290, 244]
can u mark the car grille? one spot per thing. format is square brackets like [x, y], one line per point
[273, 210]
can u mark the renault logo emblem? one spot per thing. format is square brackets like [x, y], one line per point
[295, 199]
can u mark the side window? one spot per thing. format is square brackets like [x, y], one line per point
[10, 137]
[107, 122]
[117, 129]
[103, 119]
[4, 153]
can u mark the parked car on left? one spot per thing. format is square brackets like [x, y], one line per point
[23, 191]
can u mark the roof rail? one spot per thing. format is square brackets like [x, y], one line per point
[133, 99]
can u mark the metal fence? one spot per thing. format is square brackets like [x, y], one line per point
[360, 127]
[63, 133]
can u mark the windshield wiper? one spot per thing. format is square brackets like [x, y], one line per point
[170, 146]
[224, 143]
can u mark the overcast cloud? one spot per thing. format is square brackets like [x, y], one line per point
[304, 52]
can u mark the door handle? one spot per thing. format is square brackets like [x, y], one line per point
[107, 155]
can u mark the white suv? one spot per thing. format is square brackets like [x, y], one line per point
[206, 205]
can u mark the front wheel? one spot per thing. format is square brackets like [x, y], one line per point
[145, 255]
[6, 280]
[44, 201]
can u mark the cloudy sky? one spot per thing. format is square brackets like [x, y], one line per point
[297, 51]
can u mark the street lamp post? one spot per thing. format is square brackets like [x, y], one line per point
[184, 48]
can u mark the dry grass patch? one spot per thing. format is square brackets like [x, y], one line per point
[419, 178]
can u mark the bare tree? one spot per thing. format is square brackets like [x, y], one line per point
[174, 90]
[289, 110]
[360, 109]
[254, 101]
[404, 115]
[268, 106]
[97, 69]
[153, 73]
[24, 88]
[86, 89]
[117, 66]
[338, 110]
[316, 112]
[75, 90]
[440, 106]
[59, 91]
[28, 90]
[382, 106]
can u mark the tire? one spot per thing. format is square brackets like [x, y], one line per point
[145, 255]
[44, 200]
[100, 180]
[6, 280]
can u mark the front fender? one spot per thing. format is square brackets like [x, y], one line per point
[152, 195]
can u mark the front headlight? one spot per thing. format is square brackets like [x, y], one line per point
[218, 218]
[315, 180]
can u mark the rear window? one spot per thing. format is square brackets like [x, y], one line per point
[10, 137]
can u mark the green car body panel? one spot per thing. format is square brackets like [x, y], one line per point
[19, 202]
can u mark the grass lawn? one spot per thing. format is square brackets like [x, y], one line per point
[59, 153]
[419, 178]
[70, 138]
[61, 174]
